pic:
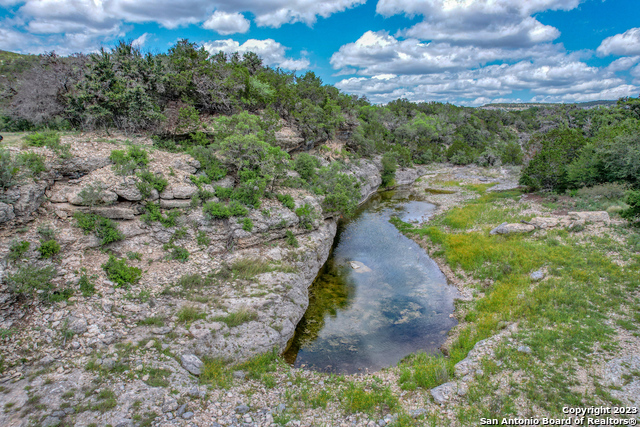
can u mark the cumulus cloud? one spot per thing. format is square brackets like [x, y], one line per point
[13, 40]
[271, 52]
[378, 52]
[627, 43]
[624, 63]
[140, 41]
[227, 23]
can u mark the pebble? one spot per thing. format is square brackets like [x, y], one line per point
[524, 349]
[242, 409]
[187, 415]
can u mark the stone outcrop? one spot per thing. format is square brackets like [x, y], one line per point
[506, 228]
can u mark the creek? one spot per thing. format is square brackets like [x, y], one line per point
[378, 298]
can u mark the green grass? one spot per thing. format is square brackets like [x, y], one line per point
[562, 318]
[190, 314]
[237, 318]
[373, 399]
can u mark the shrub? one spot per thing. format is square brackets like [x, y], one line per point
[176, 252]
[223, 193]
[215, 210]
[125, 163]
[190, 314]
[388, 169]
[104, 228]
[49, 248]
[306, 164]
[286, 200]
[9, 169]
[86, 285]
[46, 232]
[210, 165]
[29, 280]
[202, 239]
[247, 224]
[610, 191]
[633, 212]
[92, 194]
[149, 180]
[43, 139]
[18, 249]
[291, 239]
[306, 214]
[32, 161]
[119, 272]
[153, 214]
[236, 209]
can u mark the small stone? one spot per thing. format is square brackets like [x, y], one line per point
[242, 409]
[69, 411]
[417, 412]
[145, 377]
[192, 363]
[239, 375]
[382, 423]
[181, 410]
[187, 415]
[58, 414]
[537, 275]
[51, 421]
[169, 405]
[281, 407]
[150, 344]
[524, 349]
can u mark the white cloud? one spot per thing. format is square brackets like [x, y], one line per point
[13, 40]
[627, 43]
[624, 63]
[140, 41]
[227, 23]
[271, 52]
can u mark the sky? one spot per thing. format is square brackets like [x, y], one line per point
[466, 52]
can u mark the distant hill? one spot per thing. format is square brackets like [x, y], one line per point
[13, 64]
[526, 105]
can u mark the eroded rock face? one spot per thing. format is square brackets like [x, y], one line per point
[597, 216]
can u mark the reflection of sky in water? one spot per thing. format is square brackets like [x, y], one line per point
[400, 306]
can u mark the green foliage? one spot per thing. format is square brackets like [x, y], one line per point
[92, 194]
[247, 224]
[18, 249]
[104, 228]
[49, 249]
[286, 200]
[217, 210]
[32, 281]
[153, 213]
[388, 169]
[291, 239]
[86, 285]
[202, 239]
[43, 139]
[633, 212]
[237, 318]
[358, 397]
[306, 214]
[210, 166]
[149, 181]
[548, 168]
[306, 165]
[423, 370]
[46, 232]
[32, 161]
[125, 163]
[188, 314]
[223, 193]
[188, 118]
[120, 272]
[177, 253]
[9, 169]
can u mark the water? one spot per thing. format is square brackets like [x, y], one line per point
[396, 301]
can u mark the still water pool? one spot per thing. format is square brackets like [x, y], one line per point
[378, 298]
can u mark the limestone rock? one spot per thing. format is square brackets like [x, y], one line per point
[6, 212]
[192, 363]
[544, 222]
[597, 216]
[183, 191]
[172, 204]
[506, 228]
[114, 212]
[128, 192]
[537, 275]
[78, 325]
[79, 166]
[444, 392]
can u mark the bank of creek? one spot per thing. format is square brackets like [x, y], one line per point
[378, 298]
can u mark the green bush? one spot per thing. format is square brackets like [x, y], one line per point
[177, 253]
[633, 212]
[18, 249]
[291, 239]
[247, 224]
[215, 210]
[202, 239]
[210, 165]
[223, 193]
[49, 248]
[120, 272]
[92, 194]
[306, 215]
[104, 228]
[86, 285]
[286, 200]
[236, 209]
[153, 214]
[9, 169]
[388, 169]
[148, 181]
[125, 163]
[43, 139]
[32, 161]
[306, 164]
[29, 280]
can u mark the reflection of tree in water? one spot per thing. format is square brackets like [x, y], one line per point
[331, 291]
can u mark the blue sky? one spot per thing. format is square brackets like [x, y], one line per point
[468, 52]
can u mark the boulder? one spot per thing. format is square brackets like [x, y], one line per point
[517, 228]
[172, 204]
[597, 216]
[77, 325]
[114, 212]
[184, 191]
[444, 392]
[6, 212]
[192, 363]
[78, 166]
[544, 222]
[128, 192]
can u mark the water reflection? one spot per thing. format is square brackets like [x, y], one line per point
[379, 296]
